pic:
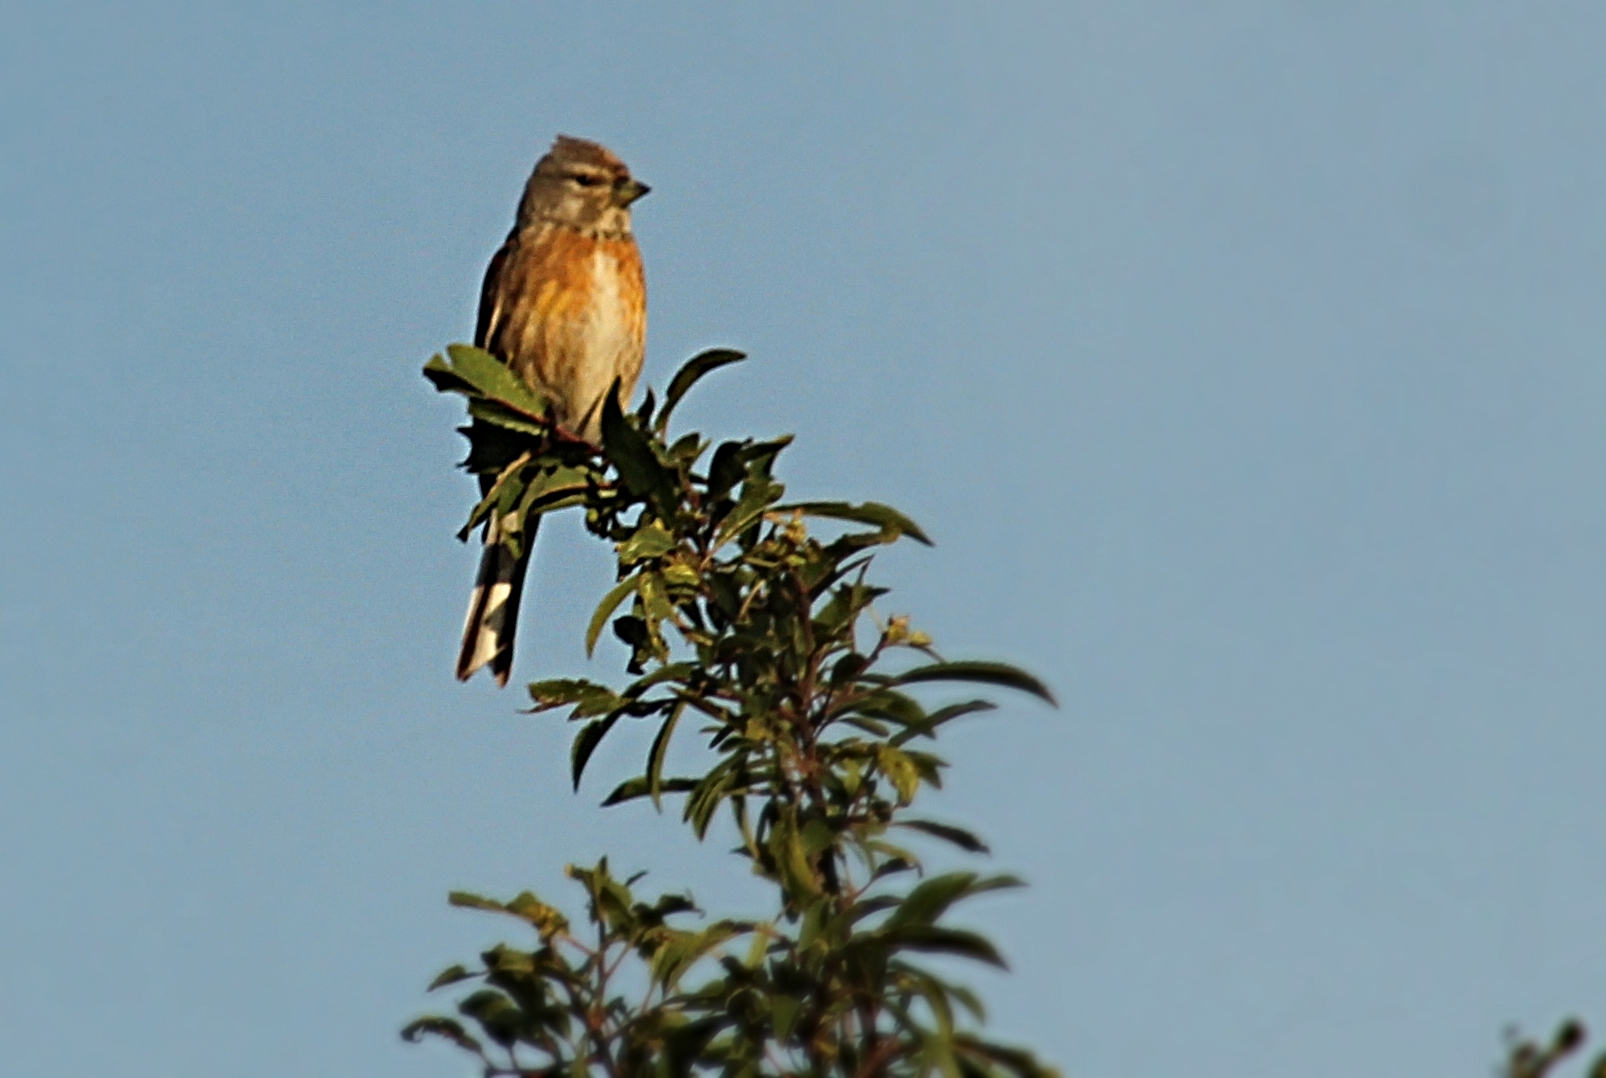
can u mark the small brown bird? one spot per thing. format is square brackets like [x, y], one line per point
[564, 305]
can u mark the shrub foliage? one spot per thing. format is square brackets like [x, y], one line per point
[744, 623]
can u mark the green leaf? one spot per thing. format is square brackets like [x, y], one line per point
[502, 960]
[757, 495]
[610, 603]
[882, 516]
[676, 672]
[760, 456]
[451, 975]
[677, 957]
[497, 1015]
[687, 449]
[991, 673]
[931, 899]
[446, 380]
[791, 859]
[706, 795]
[650, 541]
[965, 840]
[933, 939]
[533, 910]
[501, 415]
[588, 697]
[896, 765]
[654, 597]
[554, 485]
[893, 866]
[632, 455]
[816, 837]
[630, 789]
[655, 756]
[942, 715]
[492, 378]
[471, 901]
[726, 469]
[784, 1012]
[446, 1028]
[586, 742]
[688, 375]
[507, 479]
[891, 705]
[936, 996]
[648, 404]
[839, 612]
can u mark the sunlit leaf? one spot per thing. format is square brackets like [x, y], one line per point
[648, 542]
[491, 377]
[896, 765]
[588, 697]
[471, 901]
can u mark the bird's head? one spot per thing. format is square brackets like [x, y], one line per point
[582, 185]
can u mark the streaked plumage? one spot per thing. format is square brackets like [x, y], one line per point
[564, 305]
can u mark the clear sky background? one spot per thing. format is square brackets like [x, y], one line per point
[1243, 358]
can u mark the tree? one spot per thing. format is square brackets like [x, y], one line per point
[742, 620]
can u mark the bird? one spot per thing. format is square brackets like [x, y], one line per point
[564, 306]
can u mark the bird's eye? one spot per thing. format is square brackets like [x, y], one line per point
[586, 181]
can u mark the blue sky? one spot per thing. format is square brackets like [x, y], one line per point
[1243, 358]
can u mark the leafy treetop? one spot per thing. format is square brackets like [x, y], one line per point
[766, 636]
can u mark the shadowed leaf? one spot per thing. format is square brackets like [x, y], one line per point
[965, 840]
[936, 940]
[688, 375]
[610, 603]
[882, 516]
[991, 673]
[632, 455]
[630, 789]
[446, 1028]
[586, 742]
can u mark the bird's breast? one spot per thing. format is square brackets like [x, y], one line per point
[617, 300]
[569, 315]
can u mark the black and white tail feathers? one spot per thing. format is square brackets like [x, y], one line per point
[493, 610]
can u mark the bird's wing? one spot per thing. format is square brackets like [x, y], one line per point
[491, 296]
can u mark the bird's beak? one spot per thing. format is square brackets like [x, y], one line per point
[631, 190]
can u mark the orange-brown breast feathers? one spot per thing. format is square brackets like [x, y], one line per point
[568, 313]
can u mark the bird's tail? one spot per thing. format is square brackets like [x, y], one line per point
[493, 610]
